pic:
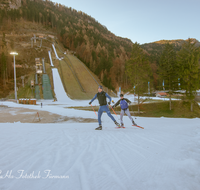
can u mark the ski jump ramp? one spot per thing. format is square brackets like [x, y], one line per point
[50, 58]
[56, 52]
[58, 88]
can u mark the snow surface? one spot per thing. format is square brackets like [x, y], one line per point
[58, 87]
[50, 58]
[163, 156]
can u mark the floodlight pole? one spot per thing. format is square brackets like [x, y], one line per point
[15, 87]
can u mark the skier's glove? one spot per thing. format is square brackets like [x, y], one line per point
[108, 103]
[90, 103]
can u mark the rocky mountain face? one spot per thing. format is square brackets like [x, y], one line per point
[10, 4]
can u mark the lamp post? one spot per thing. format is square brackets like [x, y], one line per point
[14, 53]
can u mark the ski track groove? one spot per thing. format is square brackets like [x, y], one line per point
[121, 171]
[150, 139]
[155, 167]
[26, 157]
[134, 167]
[133, 144]
[119, 162]
[109, 176]
[81, 161]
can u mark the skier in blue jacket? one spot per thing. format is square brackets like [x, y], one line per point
[124, 109]
[101, 96]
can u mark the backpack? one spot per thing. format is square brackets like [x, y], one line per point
[123, 104]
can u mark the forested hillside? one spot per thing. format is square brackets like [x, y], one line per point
[154, 51]
[104, 53]
[98, 48]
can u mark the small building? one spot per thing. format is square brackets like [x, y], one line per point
[161, 94]
[197, 97]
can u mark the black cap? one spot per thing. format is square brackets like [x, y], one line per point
[121, 95]
[101, 87]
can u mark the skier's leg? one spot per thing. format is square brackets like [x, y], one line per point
[109, 114]
[121, 116]
[106, 109]
[100, 111]
[129, 115]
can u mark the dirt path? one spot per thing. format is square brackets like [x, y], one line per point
[25, 115]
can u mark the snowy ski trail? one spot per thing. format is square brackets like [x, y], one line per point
[163, 156]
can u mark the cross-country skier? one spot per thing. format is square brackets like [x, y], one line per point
[101, 96]
[124, 109]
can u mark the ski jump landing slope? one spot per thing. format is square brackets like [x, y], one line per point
[88, 82]
[58, 87]
[85, 77]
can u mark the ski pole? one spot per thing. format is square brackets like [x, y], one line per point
[94, 110]
[133, 112]
[114, 111]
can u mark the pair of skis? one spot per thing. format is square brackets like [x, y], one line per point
[132, 125]
[124, 127]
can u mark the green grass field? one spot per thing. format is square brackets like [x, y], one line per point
[24, 92]
[180, 109]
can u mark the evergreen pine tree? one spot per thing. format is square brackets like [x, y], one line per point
[168, 70]
[188, 60]
[3, 66]
[138, 70]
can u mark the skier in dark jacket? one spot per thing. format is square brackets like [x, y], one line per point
[124, 109]
[101, 96]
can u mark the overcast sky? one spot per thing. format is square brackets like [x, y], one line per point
[144, 21]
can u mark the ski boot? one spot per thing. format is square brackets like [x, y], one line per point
[133, 122]
[122, 125]
[118, 125]
[99, 128]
